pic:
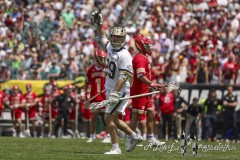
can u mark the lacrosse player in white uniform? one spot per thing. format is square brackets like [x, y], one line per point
[118, 82]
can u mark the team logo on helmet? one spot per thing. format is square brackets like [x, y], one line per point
[144, 45]
[117, 37]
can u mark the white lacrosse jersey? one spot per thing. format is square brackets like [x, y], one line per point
[117, 60]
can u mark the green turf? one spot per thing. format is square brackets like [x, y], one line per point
[71, 149]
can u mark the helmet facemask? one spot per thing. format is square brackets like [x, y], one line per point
[101, 57]
[117, 37]
[144, 45]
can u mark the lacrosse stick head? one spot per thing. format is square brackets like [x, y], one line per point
[92, 106]
[174, 88]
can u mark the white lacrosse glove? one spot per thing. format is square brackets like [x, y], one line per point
[97, 18]
[114, 98]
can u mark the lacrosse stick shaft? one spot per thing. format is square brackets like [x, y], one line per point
[76, 118]
[1, 123]
[140, 95]
[27, 120]
[92, 98]
[50, 118]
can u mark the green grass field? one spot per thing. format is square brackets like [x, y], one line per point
[71, 149]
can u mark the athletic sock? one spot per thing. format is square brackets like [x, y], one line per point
[115, 146]
[144, 136]
[35, 134]
[150, 136]
[133, 135]
[92, 136]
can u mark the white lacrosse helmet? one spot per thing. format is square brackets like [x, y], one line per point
[117, 37]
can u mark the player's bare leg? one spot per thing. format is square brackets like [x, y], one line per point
[42, 129]
[113, 123]
[150, 128]
[134, 120]
[92, 127]
[19, 121]
[14, 128]
[33, 121]
[143, 128]
[85, 128]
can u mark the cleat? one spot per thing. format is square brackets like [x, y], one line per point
[107, 139]
[134, 142]
[114, 151]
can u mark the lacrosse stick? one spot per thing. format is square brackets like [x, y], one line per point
[50, 117]
[76, 119]
[27, 124]
[1, 122]
[170, 86]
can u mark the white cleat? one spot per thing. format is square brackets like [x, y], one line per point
[21, 135]
[128, 141]
[67, 137]
[134, 142]
[14, 134]
[90, 140]
[106, 139]
[53, 136]
[114, 151]
[27, 133]
[155, 143]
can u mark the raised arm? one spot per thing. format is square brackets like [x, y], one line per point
[97, 22]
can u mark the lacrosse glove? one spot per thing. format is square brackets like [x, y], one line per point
[114, 98]
[97, 19]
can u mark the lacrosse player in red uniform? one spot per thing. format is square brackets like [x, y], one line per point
[31, 108]
[141, 84]
[54, 111]
[16, 101]
[2, 101]
[44, 108]
[95, 78]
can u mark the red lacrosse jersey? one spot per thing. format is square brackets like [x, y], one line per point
[96, 77]
[45, 102]
[16, 99]
[2, 96]
[31, 97]
[167, 103]
[141, 66]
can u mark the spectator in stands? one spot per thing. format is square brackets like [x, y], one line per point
[4, 73]
[194, 114]
[54, 71]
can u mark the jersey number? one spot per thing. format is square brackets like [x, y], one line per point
[112, 67]
[98, 81]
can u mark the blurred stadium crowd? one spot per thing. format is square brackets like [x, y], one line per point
[195, 41]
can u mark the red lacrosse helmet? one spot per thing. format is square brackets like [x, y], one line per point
[29, 85]
[144, 45]
[100, 57]
[15, 89]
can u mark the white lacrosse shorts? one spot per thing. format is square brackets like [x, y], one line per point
[121, 106]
